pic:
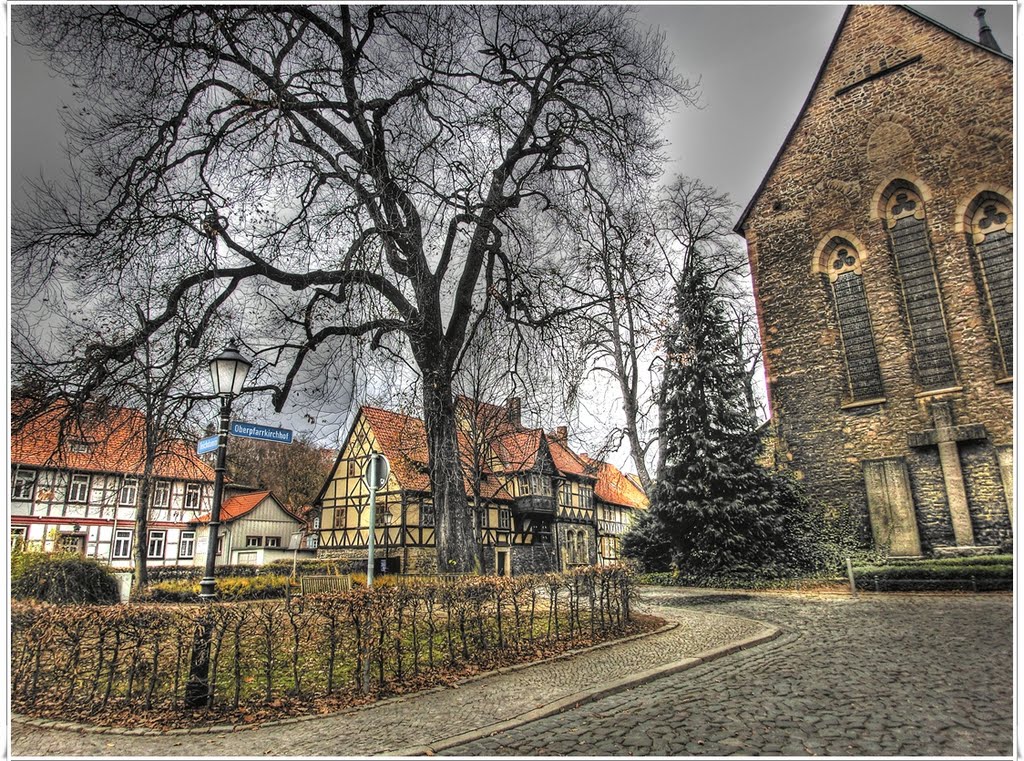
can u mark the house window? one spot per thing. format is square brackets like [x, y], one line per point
[162, 494]
[504, 519]
[73, 543]
[122, 544]
[220, 545]
[540, 484]
[192, 492]
[992, 240]
[187, 544]
[272, 541]
[566, 497]
[156, 544]
[254, 541]
[524, 485]
[541, 531]
[79, 446]
[78, 491]
[843, 265]
[22, 484]
[908, 233]
[17, 538]
[427, 513]
[129, 491]
[588, 497]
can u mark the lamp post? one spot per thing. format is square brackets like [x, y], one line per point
[228, 371]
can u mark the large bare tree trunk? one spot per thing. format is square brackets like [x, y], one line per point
[453, 531]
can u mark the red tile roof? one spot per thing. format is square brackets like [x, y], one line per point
[403, 441]
[237, 506]
[115, 438]
[614, 487]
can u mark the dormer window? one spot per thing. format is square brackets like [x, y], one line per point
[79, 446]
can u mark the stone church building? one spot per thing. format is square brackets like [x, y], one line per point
[881, 247]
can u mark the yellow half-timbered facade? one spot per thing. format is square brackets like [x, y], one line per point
[538, 505]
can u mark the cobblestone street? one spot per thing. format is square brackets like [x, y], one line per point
[922, 675]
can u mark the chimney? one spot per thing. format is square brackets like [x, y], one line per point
[515, 411]
[561, 434]
[985, 36]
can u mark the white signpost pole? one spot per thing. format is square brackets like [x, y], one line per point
[371, 478]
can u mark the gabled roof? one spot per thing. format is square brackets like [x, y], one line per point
[240, 505]
[114, 438]
[614, 487]
[738, 228]
[519, 450]
[402, 439]
[568, 462]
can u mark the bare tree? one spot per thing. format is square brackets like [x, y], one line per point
[341, 171]
[628, 282]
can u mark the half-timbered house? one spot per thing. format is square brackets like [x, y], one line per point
[76, 486]
[533, 497]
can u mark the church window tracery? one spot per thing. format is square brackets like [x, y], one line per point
[991, 236]
[906, 225]
[843, 267]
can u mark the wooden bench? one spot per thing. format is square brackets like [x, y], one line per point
[324, 585]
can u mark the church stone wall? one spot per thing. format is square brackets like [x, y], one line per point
[943, 121]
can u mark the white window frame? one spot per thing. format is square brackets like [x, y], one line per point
[187, 544]
[129, 493]
[504, 518]
[122, 536]
[273, 542]
[23, 484]
[524, 486]
[156, 536]
[161, 488]
[79, 483]
[79, 446]
[254, 541]
[193, 495]
[19, 537]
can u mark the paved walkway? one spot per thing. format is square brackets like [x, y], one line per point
[441, 718]
[881, 675]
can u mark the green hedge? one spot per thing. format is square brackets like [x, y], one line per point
[61, 579]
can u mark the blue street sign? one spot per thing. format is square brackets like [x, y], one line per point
[207, 445]
[262, 432]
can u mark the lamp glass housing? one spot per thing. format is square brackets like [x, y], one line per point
[228, 371]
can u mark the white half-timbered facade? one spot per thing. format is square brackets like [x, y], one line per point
[77, 486]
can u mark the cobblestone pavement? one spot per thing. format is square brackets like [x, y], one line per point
[420, 720]
[923, 675]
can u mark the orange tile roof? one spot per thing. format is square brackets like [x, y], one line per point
[518, 451]
[614, 487]
[115, 438]
[403, 440]
[568, 462]
[237, 506]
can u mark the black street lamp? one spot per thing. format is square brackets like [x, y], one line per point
[228, 371]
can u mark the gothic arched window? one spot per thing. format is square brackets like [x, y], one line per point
[842, 263]
[992, 238]
[908, 232]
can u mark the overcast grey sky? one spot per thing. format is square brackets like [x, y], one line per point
[755, 63]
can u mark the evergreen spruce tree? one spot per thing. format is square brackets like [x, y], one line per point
[713, 506]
